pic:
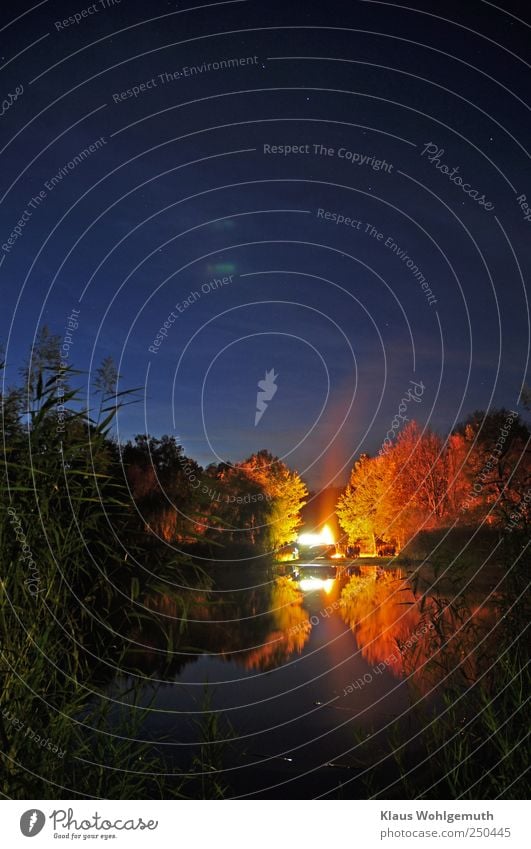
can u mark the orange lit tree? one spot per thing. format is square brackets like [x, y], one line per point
[363, 508]
[481, 473]
[286, 495]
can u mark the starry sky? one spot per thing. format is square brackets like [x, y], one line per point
[333, 191]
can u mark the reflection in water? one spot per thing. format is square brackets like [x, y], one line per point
[222, 639]
[425, 636]
[257, 628]
[382, 612]
[290, 631]
[311, 584]
[311, 577]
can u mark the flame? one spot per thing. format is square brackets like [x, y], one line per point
[324, 537]
[327, 536]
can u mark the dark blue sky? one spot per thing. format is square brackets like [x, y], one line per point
[180, 192]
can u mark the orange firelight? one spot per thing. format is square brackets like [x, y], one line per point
[324, 537]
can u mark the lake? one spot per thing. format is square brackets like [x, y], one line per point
[307, 673]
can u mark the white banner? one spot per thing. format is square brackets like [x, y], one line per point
[255, 824]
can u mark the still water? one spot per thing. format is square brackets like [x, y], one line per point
[305, 673]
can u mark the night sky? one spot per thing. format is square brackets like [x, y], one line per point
[293, 207]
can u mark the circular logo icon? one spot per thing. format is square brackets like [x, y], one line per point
[32, 822]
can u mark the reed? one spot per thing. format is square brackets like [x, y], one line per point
[69, 597]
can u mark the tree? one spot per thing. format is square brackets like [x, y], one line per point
[163, 484]
[286, 495]
[497, 467]
[420, 476]
[236, 505]
[363, 509]
[481, 473]
[392, 495]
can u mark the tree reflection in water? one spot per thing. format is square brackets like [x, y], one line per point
[429, 637]
[381, 611]
[257, 628]
[290, 632]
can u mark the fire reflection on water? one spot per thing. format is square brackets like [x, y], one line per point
[421, 635]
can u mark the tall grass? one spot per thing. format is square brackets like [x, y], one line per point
[470, 739]
[68, 595]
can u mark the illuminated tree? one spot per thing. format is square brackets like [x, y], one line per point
[285, 493]
[363, 510]
[420, 474]
[389, 497]
[237, 505]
